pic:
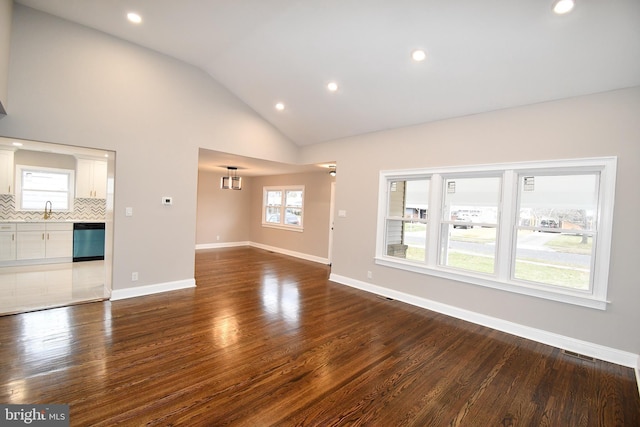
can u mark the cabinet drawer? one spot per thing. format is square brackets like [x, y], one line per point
[30, 226]
[7, 227]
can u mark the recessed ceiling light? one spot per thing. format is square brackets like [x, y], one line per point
[279, 106]
[134, 17]
[418, 55]
[17, 144]
[332, 86]
[563, 6]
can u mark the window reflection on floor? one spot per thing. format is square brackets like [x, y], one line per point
[34, 287]
[281, 298]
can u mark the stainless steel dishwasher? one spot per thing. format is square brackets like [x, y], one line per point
[88, 241]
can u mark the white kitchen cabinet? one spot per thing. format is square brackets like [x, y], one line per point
[91, 179]
[58, 240]
[30, 241]
[7, 242]
[6, 172]
[33, 241]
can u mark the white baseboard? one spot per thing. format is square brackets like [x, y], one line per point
[221, 245]
[138, 291]
[291, 253]
[597, 351]
[638, 375]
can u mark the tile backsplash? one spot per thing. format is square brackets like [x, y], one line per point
[83, 210]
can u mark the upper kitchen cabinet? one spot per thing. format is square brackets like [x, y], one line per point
[6, 172]
[91, 179]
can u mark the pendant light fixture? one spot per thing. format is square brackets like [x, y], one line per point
[232, 181]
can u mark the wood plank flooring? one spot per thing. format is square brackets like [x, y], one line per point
[267, 340]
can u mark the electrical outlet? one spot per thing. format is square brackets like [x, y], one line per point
[134, 276]
[369, 275]
[217, 237]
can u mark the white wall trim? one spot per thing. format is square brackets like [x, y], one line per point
[138, 291]
[597, 351]
[221, 245]
[291, 253]
[638, 375]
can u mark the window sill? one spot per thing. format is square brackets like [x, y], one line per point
[284, 227]
[585, 300]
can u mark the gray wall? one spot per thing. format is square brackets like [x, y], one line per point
[599, 125]
[224, 213]
[72, 85]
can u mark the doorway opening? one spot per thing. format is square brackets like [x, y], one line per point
[38, 269]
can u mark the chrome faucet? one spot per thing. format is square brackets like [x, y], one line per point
[47, 213]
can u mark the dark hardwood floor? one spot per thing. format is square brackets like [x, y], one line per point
[267, 340]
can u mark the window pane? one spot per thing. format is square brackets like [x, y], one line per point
[293, 216]
[406, 239]
[293, 198]
[274, 198]
[559, 201]
[471, 249]
[472, 200]
[39, 187]
[48, 181]
[558, 259]
[272, 215]
[409, 199]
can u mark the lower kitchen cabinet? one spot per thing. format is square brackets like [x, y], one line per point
[7, 242]
[44, 240]
[59, 240]
[30, 241]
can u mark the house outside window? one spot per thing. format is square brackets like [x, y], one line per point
[36, 186]
[283, 207]
[536, 228]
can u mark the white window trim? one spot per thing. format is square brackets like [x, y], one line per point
[18, 186]
[595, 298]
[282, 226]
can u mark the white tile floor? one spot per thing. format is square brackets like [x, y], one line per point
[34, 287]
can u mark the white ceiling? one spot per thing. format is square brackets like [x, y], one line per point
[481, 55]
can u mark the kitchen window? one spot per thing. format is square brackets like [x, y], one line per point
[536, 228]
[35, 186]
[283, 207]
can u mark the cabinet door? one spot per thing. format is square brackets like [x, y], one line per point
[7, 246]
[30, 244]
[59, 244]
[84, 178]
[6, 172]
[91, 179]
[100, 179]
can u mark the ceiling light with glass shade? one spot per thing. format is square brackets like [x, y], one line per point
[232, 181]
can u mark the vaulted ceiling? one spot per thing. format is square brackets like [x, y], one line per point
[480, 55]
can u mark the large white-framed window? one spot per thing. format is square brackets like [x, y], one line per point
[535, 228]
[283, 207]
[35, 186]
